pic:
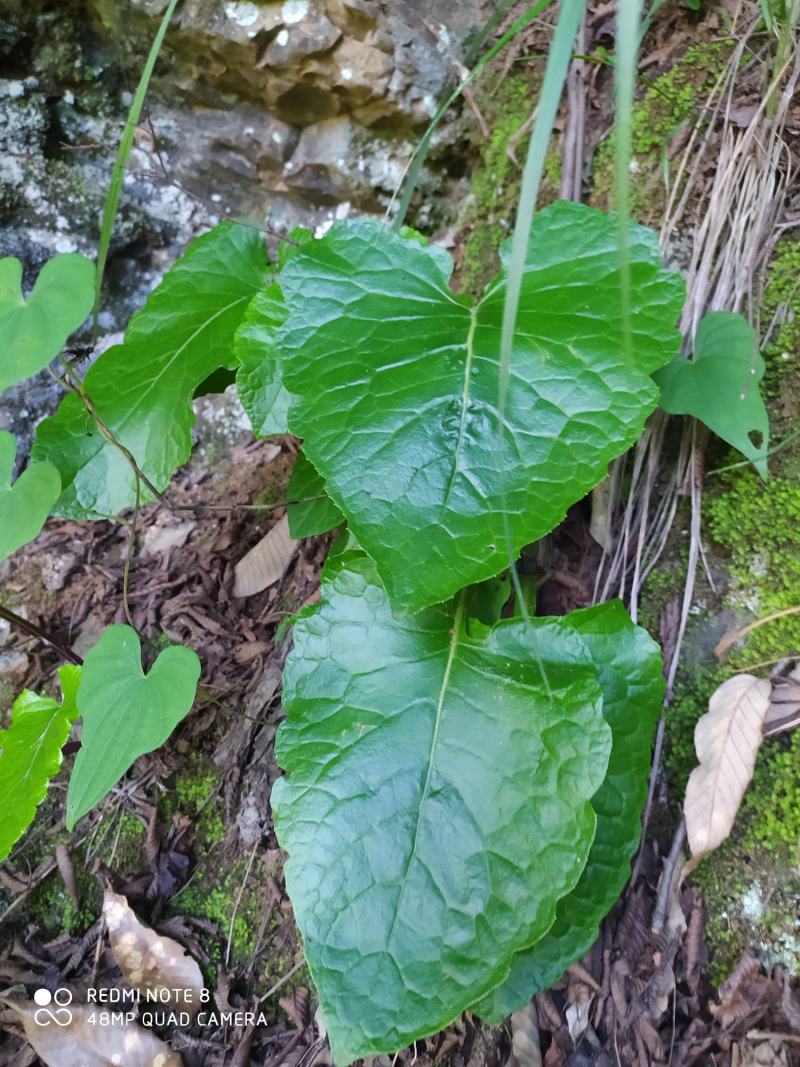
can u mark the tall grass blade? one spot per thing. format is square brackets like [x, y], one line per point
[421, 151]
[629, 15]
[124, 150]
[555, 76]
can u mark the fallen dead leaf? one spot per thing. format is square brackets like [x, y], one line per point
[76, 1041]
[149, 962]
[266, 562]
[526, 1048]
[158, 539]
[726, 740]
[783, 712]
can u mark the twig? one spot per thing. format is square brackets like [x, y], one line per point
[36, 631]
[281, 982]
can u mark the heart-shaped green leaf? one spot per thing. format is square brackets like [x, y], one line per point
[30, 754]
[25, 505]
[720, 384]
[436, 804]
[125, 712]
[33, 331]
[628, 664]
[394, 381]
[142, 389]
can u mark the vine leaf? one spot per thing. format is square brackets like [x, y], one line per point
[726, 739]
[33, 331]
[142, 389]
[66, 1036]
[394, 386]
[436, 803]
[258, 378]
[628, 664]
[30, 754]
[720, 385]
[125, 712]
[151, 962]
[25, 505]
[315, 512]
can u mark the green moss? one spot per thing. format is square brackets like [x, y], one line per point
[756, 523]
[669, 103]
[52, 908]
[751, 883]
[496, 178]
[194, 794]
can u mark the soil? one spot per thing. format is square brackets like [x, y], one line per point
[187, 836]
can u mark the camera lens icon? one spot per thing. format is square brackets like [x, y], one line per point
[59, 1013]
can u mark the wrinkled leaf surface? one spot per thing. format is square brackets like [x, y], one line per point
[436, 804]
[394, 386]
[628, 664]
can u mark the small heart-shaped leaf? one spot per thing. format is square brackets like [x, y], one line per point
[25, 505]
[720, 384]
[33, 331]
[125, 711]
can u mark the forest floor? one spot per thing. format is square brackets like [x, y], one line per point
[187, 836]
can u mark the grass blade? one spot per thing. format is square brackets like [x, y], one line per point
[555, 75]
[124, 150]
[629, 13]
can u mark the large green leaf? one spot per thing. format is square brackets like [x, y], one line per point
[25, 505]
[258, 379]
[628, 664]
[436, 805]
[394, 385]
[142, 389]
[720, 385]
[314, 512]
[125, 712]
[30, 754]
[33, 332]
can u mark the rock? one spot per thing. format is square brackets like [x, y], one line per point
[295, 41]
[55, 568]
[14, 668]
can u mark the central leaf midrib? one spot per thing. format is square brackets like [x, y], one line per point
[451, 655]
[462, 425]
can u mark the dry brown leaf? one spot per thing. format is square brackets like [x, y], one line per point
[769, 1053]
[526, 1049]
[266, 562]
[783, 712]
[74, 1040]
[726, 740]
[149, 962]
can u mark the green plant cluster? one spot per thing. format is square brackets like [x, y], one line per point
[446, 502]
[480, 867]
